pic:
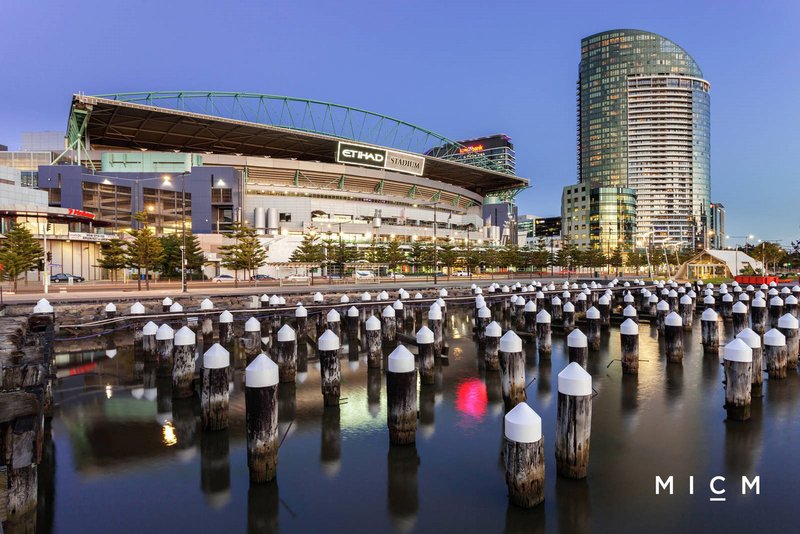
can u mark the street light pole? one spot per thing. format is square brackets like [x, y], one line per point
[435, 256]
[183, 232]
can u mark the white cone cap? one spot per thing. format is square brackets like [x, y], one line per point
[300, 311]
[328, 341]
[333, 316]
[629, 311]
[185, 336]
[629, 327]
[150, 329]
[262, 372]
[788, 320]
[318, 297]
[603, 300]
[569, 307]
[543, 317]
[111, 307]
[523, 425]
[401, 360]
[708, 300]
[574, 381]
[137, 308]
[727, 298]
[493, 329]
[484, 313]
[419, 295]
[435, 312]
[775, 338]
[686, 299]
[709, 315]
[166, 302]
[264, 298]
[673, 319]
[510, 342]
[752, 339]
[397, 305]
[737, 351]
[373, 323]
[252, 325]
[581, 296]
[530, 306]
[443, 292]
[388, 311]
[662, 305]
[344, 299]
[740, 307]
[365, 296]
[776, 301]
[286, 333]
[478, 291]
[577, 339]
[176, 308]
[758, 302]
[352, 311]
[555, 301]
[425, 336]
[653, 299]
[226, 317]
[165, 332]
[216, 357]
[206, 305]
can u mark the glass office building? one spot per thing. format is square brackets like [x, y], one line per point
[612, 218]
[644, 124]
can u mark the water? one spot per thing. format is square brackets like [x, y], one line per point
[126, 460]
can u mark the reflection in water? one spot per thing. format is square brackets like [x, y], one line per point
[215, 468]
[630, 393]
[402, 495]
[543, 378]
[184, 424]
[374, 381]
[674, 388]
[471, 402]
[743, 442]
[263, 503]
[524, 521]
[427, 413]
[574, 505]
[46, 494]
[494, 391]
[331, 449]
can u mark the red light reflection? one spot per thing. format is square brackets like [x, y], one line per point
[471, 400]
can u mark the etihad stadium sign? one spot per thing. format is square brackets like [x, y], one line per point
[379, 158]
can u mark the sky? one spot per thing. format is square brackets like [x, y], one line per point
[462, 69]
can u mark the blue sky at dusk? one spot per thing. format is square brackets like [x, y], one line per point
[462, 69]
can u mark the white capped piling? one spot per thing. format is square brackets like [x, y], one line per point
[435, 324]
[111, 310]
[424, 338]
[709, 331]
[662, 310]
[263, 301]
[137, 308]
[744, 298]
[726, 307]
[686, 311]
[165, 304]
[593, 328]
[383, 295]
[185, 342]
[401, 397]
[672, 298]
[399, 314]
[540, 300]
[519, 309]
[652, 302]
[301, 321]
[630, 313]
[512, 369]
[578, 348]
[251, 341]
[225, 327]
[544, 339]
[176, 308]
[352, 318]
[580, 303]
[556, 309]
[214, 389]
[568, 313]
[737, 360]
[366, 297]
[523, 452]
[758, 315]
[330, 368]
[573, 421]
[673, 337]
[261, 407]
[388, 325]
[481, 322]
[788, 326]
[790, 305]
[530, 316]
[287, 354]
[344, 299]
[333, 322]
[775, 356]
[149, 346]
[318, 298]
[373, 335]
[775, 311]
[165, 338]
[491, 357]
[629, 347]
[739, 317]
[753, 341]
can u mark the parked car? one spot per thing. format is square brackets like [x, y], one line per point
[364, 274]
[296, 277]
[222, 278]
[64, 278]
[397, 275]
[261, 277]
[461, 273]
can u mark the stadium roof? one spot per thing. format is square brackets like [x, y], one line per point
[259, 128]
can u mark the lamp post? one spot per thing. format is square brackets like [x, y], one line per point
[184, 289]
[736, 258]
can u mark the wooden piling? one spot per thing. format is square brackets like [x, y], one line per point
[738, 364]
[629, 347]
[484, 317]
[593, 327]
[165, 304]
[401, 397]
[251, 341]
[149, 349]
[388, 325]
[330, 368]
[686, 311]
[568, 317]
[544, 341]
[578, 348]
[301, 321]
[556, 310]
[739, 317]
[183, 363]
[261, 407]
[287, 354]
[662, 310]
[709, 331]
[424, 339]
[226, 328]
[214, 390]
[529, 314]
[775, 311]
[573, 421]
[165, 346]
[753, 341]
[673, 338]
[512, 369]
[373, 335]
[788, 326]
[435, 324]
[523, 454]
[775, 356]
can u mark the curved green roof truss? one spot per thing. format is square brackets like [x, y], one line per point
[301, 114]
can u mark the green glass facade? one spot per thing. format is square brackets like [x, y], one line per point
[644, 124]
[612, 217]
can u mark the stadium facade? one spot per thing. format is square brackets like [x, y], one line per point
[284, 166]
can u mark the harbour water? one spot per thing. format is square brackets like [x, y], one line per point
[125, 457]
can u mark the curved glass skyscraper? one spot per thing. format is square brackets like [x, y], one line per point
[644, 125]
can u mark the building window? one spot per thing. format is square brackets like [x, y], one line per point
[285, 217]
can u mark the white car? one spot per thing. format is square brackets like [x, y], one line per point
[222, 278]
[461, 273]
[364, 274]
[296, 277]
[397, 275]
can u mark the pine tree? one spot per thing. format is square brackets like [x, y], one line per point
[171, 255]
[114, 257]
[245, 253]
[309, 251]
[447, 257]
[19, 253]
[195, 259]
[394, 255]
[144, 252]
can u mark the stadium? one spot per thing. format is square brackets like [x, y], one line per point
[285, 166]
